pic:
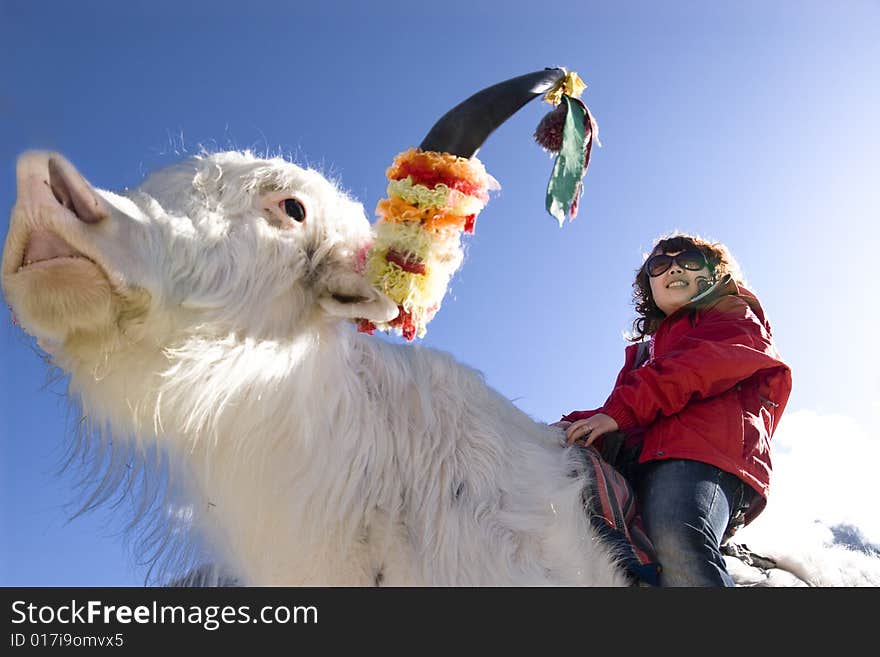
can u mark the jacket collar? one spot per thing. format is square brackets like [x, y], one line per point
[725, 285]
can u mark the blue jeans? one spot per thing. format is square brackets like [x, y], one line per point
[686, 507]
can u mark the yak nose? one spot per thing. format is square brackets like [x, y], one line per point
[73, 192]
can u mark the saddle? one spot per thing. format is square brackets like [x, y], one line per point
[611, 506]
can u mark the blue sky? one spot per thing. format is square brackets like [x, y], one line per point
[754, 123]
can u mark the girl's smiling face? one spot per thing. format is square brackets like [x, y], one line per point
[676, 286]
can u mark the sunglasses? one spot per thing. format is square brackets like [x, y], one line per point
[692, 260]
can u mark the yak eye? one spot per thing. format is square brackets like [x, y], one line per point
[293, 209]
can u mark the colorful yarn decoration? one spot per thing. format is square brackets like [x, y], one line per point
[432, 198]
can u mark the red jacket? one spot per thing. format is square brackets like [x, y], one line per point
[712, 390]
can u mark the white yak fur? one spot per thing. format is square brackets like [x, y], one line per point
[310, 454]
[449, 484]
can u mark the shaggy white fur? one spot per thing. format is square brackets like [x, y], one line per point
[192, 314]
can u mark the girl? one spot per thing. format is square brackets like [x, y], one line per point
[702, 406]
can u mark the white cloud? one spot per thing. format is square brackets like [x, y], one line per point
[826, 469]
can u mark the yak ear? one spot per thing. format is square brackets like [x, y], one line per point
[347, 294]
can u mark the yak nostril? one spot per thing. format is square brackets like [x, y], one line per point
[74, 193]
[60, 192]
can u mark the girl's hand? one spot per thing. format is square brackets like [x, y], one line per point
[585, 432]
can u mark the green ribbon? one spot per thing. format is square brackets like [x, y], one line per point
[569, 168]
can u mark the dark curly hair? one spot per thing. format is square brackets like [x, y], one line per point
[720, 260]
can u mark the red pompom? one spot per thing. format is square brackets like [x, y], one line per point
[548, 134]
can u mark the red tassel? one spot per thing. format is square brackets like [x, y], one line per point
[366, 326]
[405, 322]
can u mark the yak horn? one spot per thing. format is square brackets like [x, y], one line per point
[464, 128]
